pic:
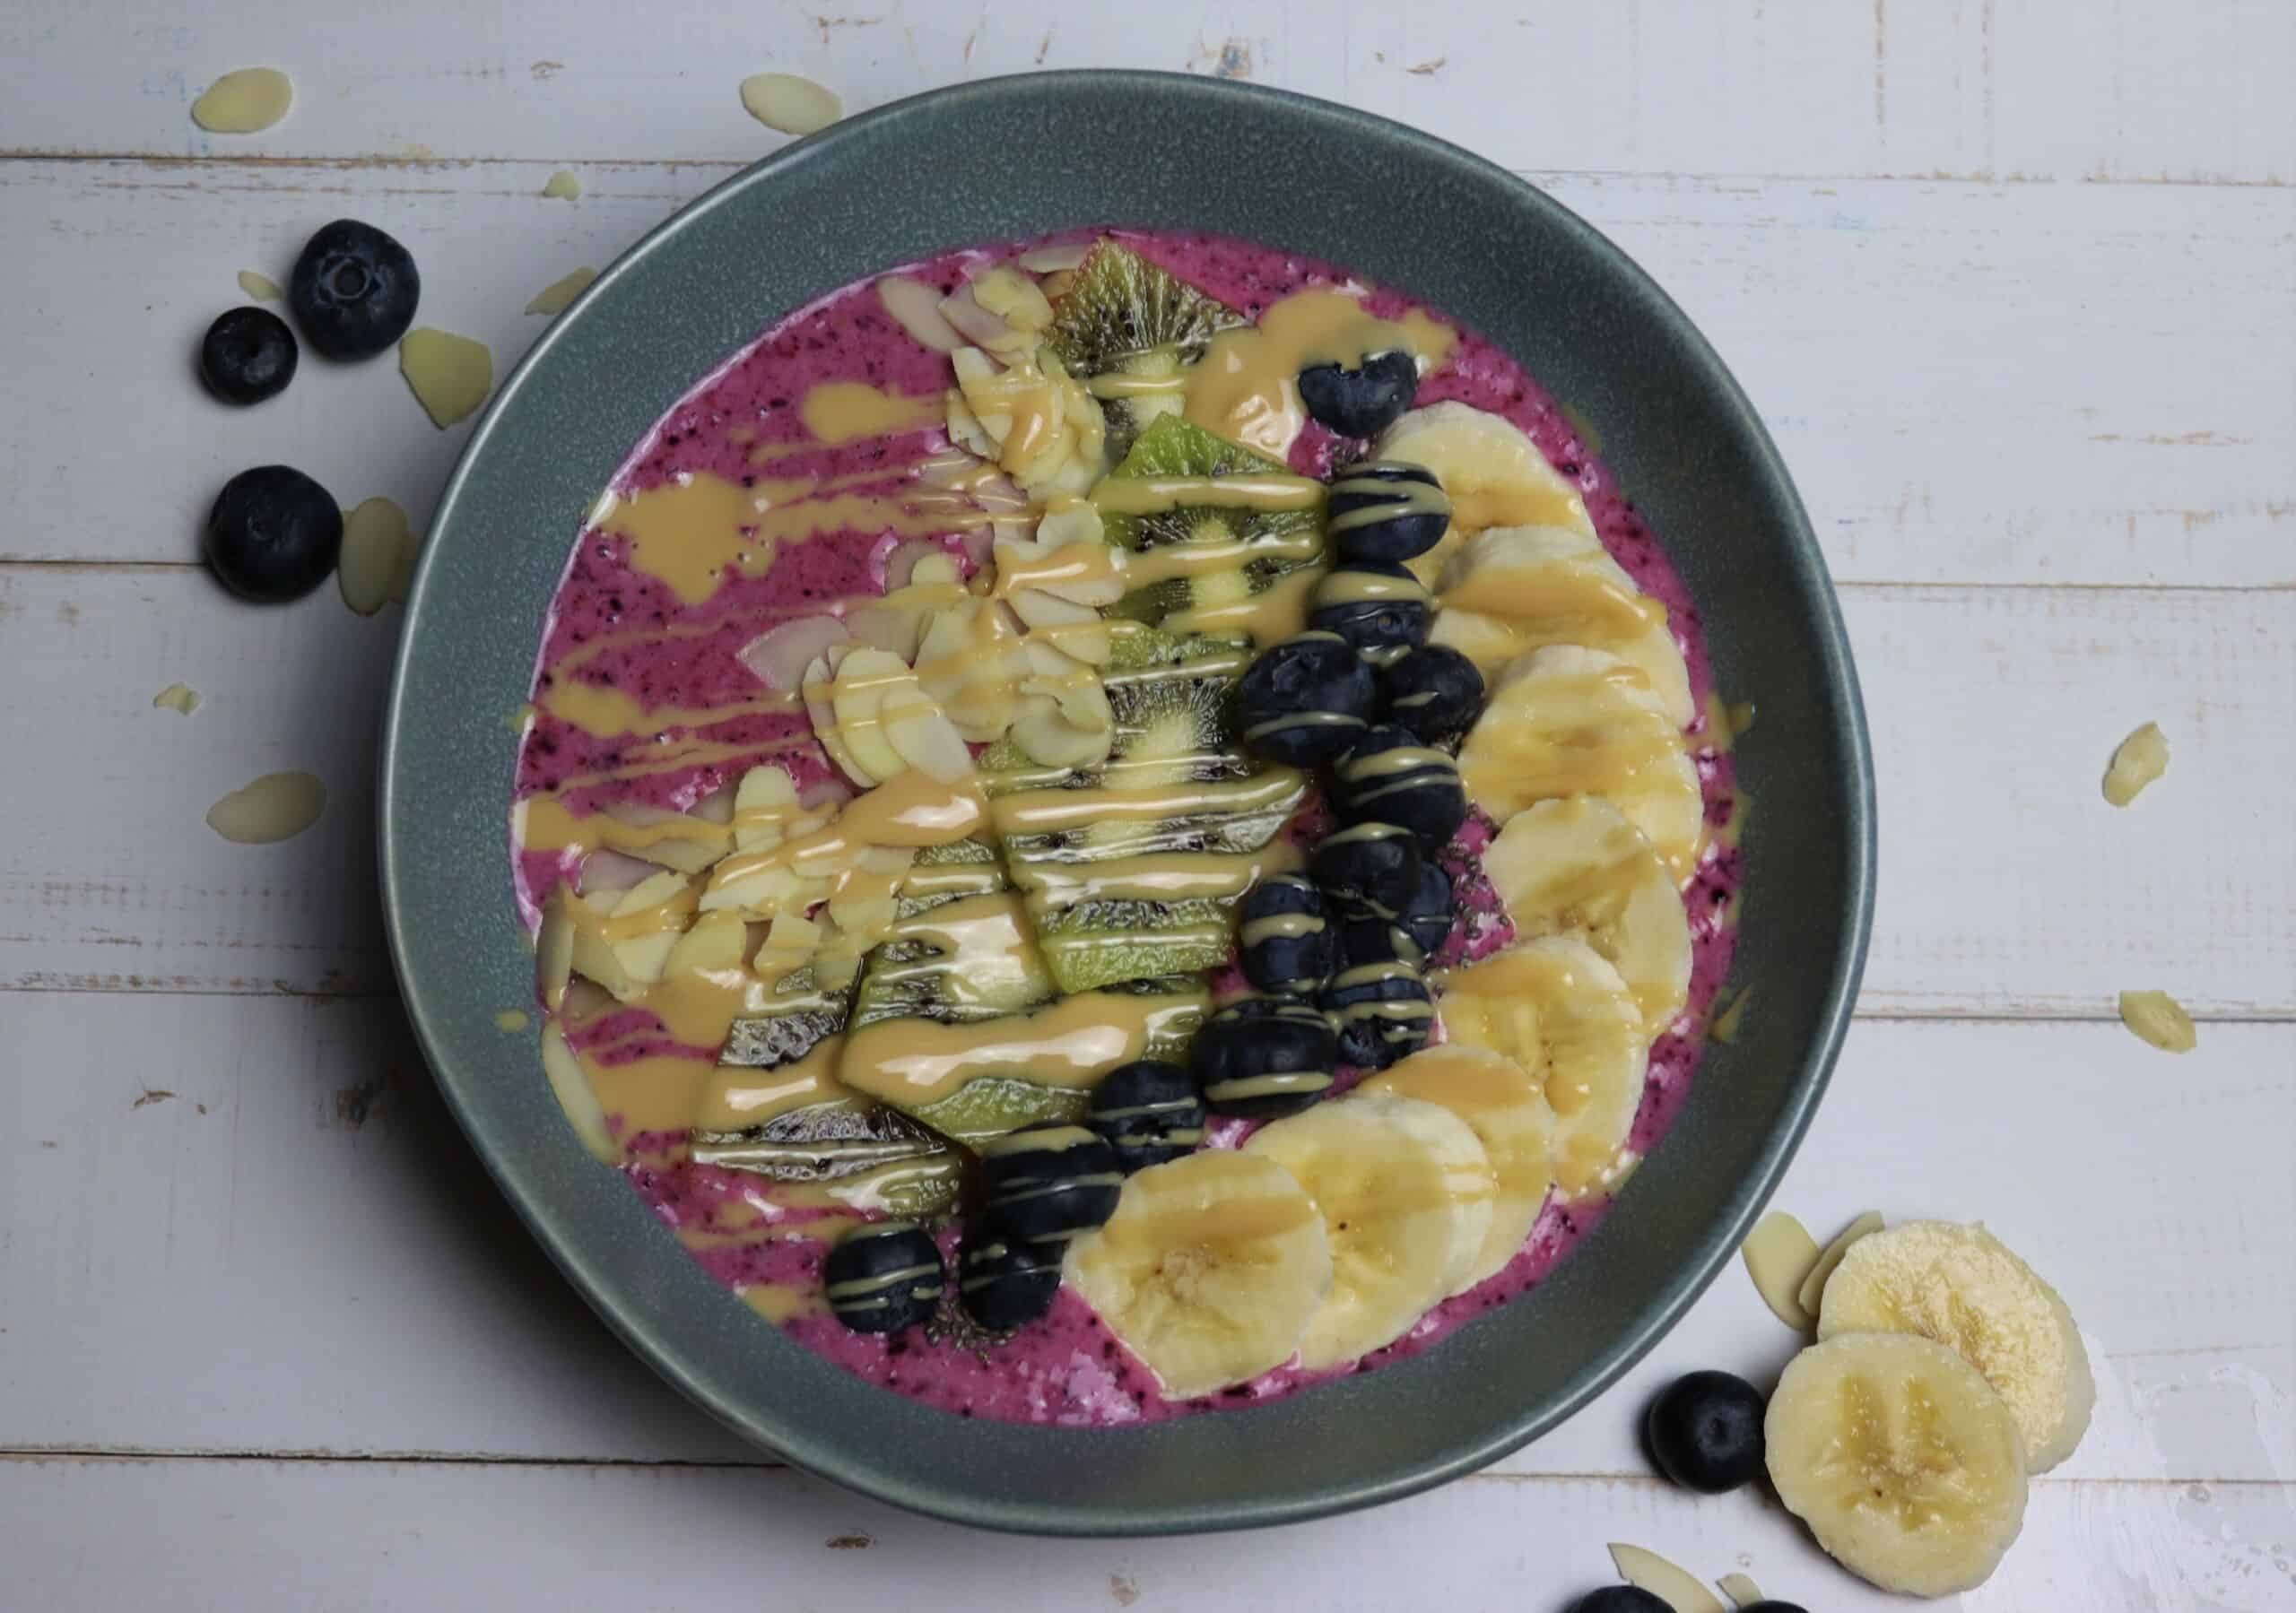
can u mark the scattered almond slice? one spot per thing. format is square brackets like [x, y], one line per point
[2141, 757]
[277, 806]
[1723, 1027]
[571, 1087]
[916, 307]
[554, 298]
[1671, 1585]
[450, 375]
[1780, 1254]
[1014, 297]
[1046, 260]
[377, 555]
[2158, 1018]
[179, 697]
[261, 287]
[920, 732]
[244, 102]
[793, 105]
[1739, 1589]
[564, 186]
[1813, 1286]
[512, 1020]
[554, 948]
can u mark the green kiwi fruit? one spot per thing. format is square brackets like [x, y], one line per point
[1121, 315]
[1272, 543]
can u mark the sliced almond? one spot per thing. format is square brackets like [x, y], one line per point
[780, 654]
[554, 298]
[1670, 1584]
[965, 430]
[1780, 1254]
[864, 678]
[818, 689]
[376, 542]
[791, 104]
[572, 1090]
[1739, 1589]
[1044, 260]
[244, 102]
[277, 806]
[1014, 297]
[977, 324]
[920, 731]
[2161, 1019]
[607, 870]
[2141, 757]
[1813, 1286]
[261, 287]
[1049, 738]
[450, 375]
[562, 186]
[916, 307]
[178, 697]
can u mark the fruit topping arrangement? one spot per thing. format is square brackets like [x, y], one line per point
[1115, 943]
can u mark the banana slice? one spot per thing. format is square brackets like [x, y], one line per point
[1567, 721]
[1577, 866]
[1494, 476]
[1405, 1194]
[1209, 1270]
[1557, 1009]
[1509, 1114]
[1900, 1458]
[1513, 589]
[1962, 1288]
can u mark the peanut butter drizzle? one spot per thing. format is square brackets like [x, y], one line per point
[1245, 388]
[1266, 618]
[542, 823]
[1351, 586]
[655, 1094]
[840, 411]
[987, 954]
[1071, 1043]
[1256, 489]
[735, 1099]
[1052, 811]
[1158, 876]
[1167, 560]
[1475, 508]
[912, 809]
[1522, 763]
[782, 1303]
[604, 711]
[1558, 604]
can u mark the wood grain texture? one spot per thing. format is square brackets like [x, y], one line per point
[2061, 407]
[366, 1535]
[2007, 885]
[294, 1250]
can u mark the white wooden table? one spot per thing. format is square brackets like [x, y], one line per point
[2013, 281]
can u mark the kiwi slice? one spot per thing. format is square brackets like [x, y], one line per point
[955, 962]
[1122, 315]
[800, 1016]
[1264, 545]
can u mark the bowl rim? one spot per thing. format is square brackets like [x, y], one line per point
[1827, 648]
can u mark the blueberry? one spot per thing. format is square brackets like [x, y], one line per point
[274, 534]
[1766, 1606]
[1265, 1056]
[1045, 1182]
[1621, 1598]
[1147, 1112]
[246, 356]
[354, 289]
[1305, 700]
[1705, 1432]
[1390, 777]
[1286, 938]
[1363, 402]
[883, 1276]
[1371, 870]
[1434, 691]
[1387, 510]
[1413, 935]
[1375, 605]
[1004, 1283]
[1381, 1010]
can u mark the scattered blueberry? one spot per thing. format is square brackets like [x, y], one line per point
[1390, 777]
[1045, 1182]
[1305, 700]
[248, 355]
[1371, 870]
[274, 534]
[1004, 1283]
[1285, 936]
[354, 290]
[1363, 402]
[1705, 1432]
[1147, 1112]
[1434, 691]
[1387, 510]
[1619, 1598]
[1381, 1010]
[1265, 1056]
[1378, 606]
[883, 1276]
[1766, 1606]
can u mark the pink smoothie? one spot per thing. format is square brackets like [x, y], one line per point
[1066, 1370]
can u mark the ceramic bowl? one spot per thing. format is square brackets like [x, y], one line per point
[1017, 157]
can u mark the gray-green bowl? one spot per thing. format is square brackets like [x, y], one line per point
[1014, 157]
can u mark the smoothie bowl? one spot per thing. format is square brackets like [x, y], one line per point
[1122, 833]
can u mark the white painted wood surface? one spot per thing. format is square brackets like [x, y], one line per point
[2015, 283]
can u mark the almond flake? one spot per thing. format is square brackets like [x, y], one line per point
[2141, 757]
[261, 287]
[511, 1020]
[277, 806]
[177, 696]
[1664, 1579]
[1780, 1254]
[562, 186]
[554, 298]
[1740, 1590]
[572, 1087]
[793, 105]
[2161, 1019]
[450, 375]
[1813, 1286]
[244, 102]
[916, 307]
[377, 551]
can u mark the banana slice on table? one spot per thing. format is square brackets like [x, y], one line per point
[1567, 721]
[1209, 1270]
[1507, 1112]
[1577, 866]
[1961, 1287]
[1901, 1458]
[1405, 1192]
[1513, 589]
[1557, 1009]
[1493, 475]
